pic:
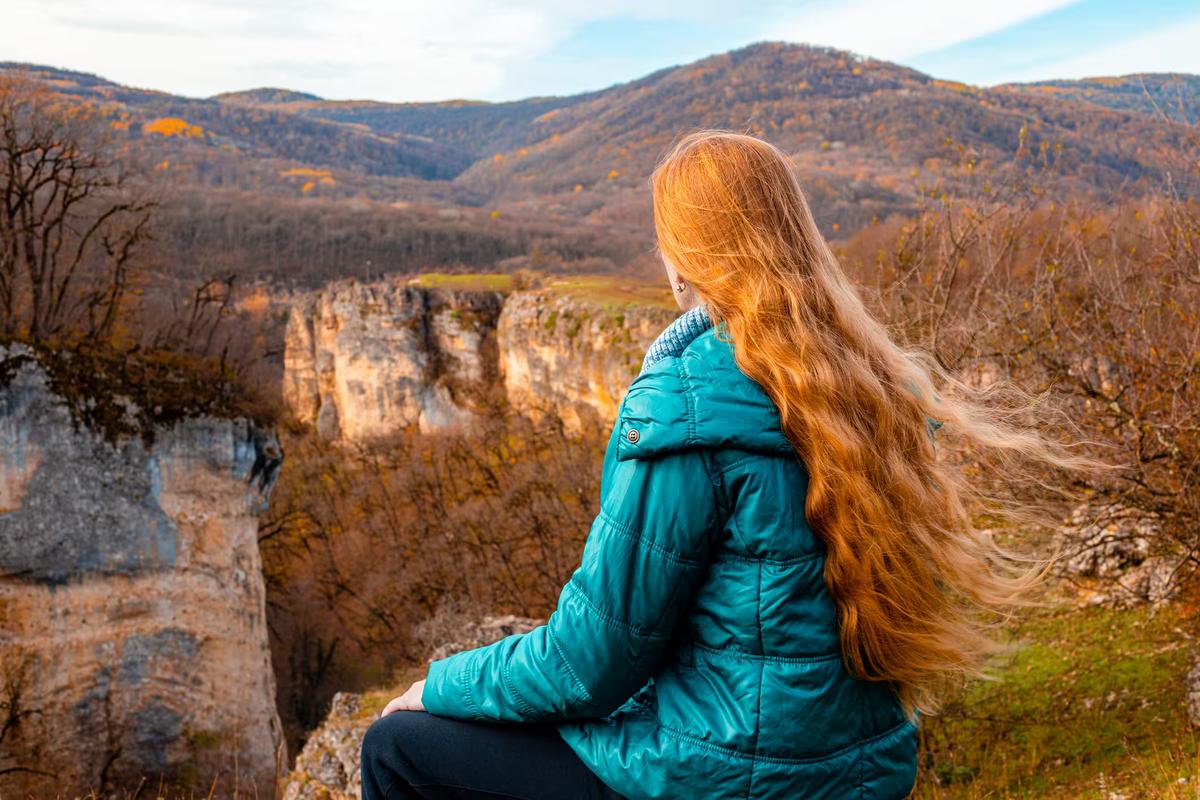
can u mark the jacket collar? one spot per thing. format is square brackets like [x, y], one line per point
[678, 335]
[691, 393]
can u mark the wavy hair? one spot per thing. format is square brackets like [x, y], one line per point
[914, 582]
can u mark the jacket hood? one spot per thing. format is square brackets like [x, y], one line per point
[695, 396]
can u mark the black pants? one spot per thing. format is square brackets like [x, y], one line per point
[414, 754]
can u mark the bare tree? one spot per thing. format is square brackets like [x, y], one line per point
[15, 667]
[1095, 303]
[70, 226]
[364, 542]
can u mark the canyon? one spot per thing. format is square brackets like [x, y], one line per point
[133, 633]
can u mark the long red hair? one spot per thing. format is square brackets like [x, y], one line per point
[911, 576]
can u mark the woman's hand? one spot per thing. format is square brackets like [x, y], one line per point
[409, 701]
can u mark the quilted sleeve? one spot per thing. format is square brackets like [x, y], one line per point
[645, 555]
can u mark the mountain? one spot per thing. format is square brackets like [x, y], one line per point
[263, 95]
[864, 134]
[242, 140]
[478, 127]
[857, 128]
[1174, 95]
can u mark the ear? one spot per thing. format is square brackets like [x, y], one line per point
[687, 298]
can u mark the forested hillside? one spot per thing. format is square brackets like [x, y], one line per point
[865, 135]
[1175, 96]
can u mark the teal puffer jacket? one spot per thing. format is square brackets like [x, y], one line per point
[694, 653]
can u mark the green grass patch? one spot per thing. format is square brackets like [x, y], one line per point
[615, 293]
[467, 281]
[1091, 704]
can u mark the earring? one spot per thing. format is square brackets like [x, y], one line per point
[679, 287]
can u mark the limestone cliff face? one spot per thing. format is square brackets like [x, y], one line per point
[570, 357]
[133, 639]
[367, 360]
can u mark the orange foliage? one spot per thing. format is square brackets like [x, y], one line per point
[257, 302]
[322, 175]
[953, 85]
[314, 176]
[173, 126]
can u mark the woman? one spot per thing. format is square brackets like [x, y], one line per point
[782, 573]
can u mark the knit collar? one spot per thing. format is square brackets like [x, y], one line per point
[678, 335]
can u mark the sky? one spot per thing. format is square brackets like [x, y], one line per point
[422, 50]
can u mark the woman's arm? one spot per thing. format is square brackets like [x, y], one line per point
[645, 555]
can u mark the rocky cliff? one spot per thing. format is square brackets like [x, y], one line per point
[367, 360]
[133, 640]
[571, 357]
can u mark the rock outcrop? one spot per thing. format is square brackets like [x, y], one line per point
[571, 358]
[133, 639]
[328, 766]
[1116, 550]
[364, 361]
[471, 634]
[1193, 692]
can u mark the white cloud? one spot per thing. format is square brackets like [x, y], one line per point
[409, 50]
[360, 48]
[1173, 49]
[378, 49]
[897, 31]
